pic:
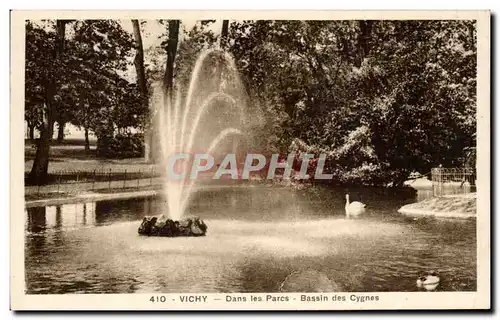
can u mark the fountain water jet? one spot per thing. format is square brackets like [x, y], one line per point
[179, 126]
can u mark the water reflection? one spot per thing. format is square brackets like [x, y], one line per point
[36, 219]
[60, 217]
[257, 237]
[74, 216]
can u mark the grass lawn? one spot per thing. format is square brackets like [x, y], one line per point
[72, 156]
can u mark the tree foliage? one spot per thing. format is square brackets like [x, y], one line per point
[382, 98]
[85, 81]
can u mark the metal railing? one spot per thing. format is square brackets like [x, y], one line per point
[450, 181]
[109, 179]
[99, 179]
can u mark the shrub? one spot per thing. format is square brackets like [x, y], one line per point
[120, 146]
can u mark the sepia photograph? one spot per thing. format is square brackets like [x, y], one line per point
[256, 162]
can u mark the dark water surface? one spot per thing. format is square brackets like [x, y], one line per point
[257, 238]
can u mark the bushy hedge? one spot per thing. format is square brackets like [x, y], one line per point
[120, 146]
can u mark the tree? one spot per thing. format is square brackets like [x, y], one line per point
[43, 49]
[382, 98]
[100, 51]
[422, 85]
[77, 80]
[141, 79]
[224, 33]
[60, 130]
[195, 40]
[139, 60]
[33, 117]
[172, 43]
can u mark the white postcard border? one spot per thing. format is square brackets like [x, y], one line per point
[387, 300]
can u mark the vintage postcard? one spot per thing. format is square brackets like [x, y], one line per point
[250, 160]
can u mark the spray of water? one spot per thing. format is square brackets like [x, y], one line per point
[178, 127]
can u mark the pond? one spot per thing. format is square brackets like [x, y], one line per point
[258, 239]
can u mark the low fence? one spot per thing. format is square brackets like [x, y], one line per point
[448, 181]
[76, 180]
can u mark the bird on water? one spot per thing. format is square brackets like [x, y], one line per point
[428, 282]
[353, 209]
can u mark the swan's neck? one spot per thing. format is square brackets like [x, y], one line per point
[347, 207]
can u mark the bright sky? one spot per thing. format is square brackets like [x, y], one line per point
[151, 32]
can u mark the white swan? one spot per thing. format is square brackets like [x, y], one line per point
[354, 208]
[428, 282]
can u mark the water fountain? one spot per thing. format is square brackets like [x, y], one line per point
[211, 113]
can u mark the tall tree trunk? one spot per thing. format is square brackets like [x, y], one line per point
[60, 131]
[224, 34]
[87, 142]
[168, 79]
[173, 40]
[31, 130]
[222, 44]
[139, 61]
[38, 174]
[143, 89]
[365, 34]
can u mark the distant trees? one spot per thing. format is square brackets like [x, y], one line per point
[72, 76]
[382, 98]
